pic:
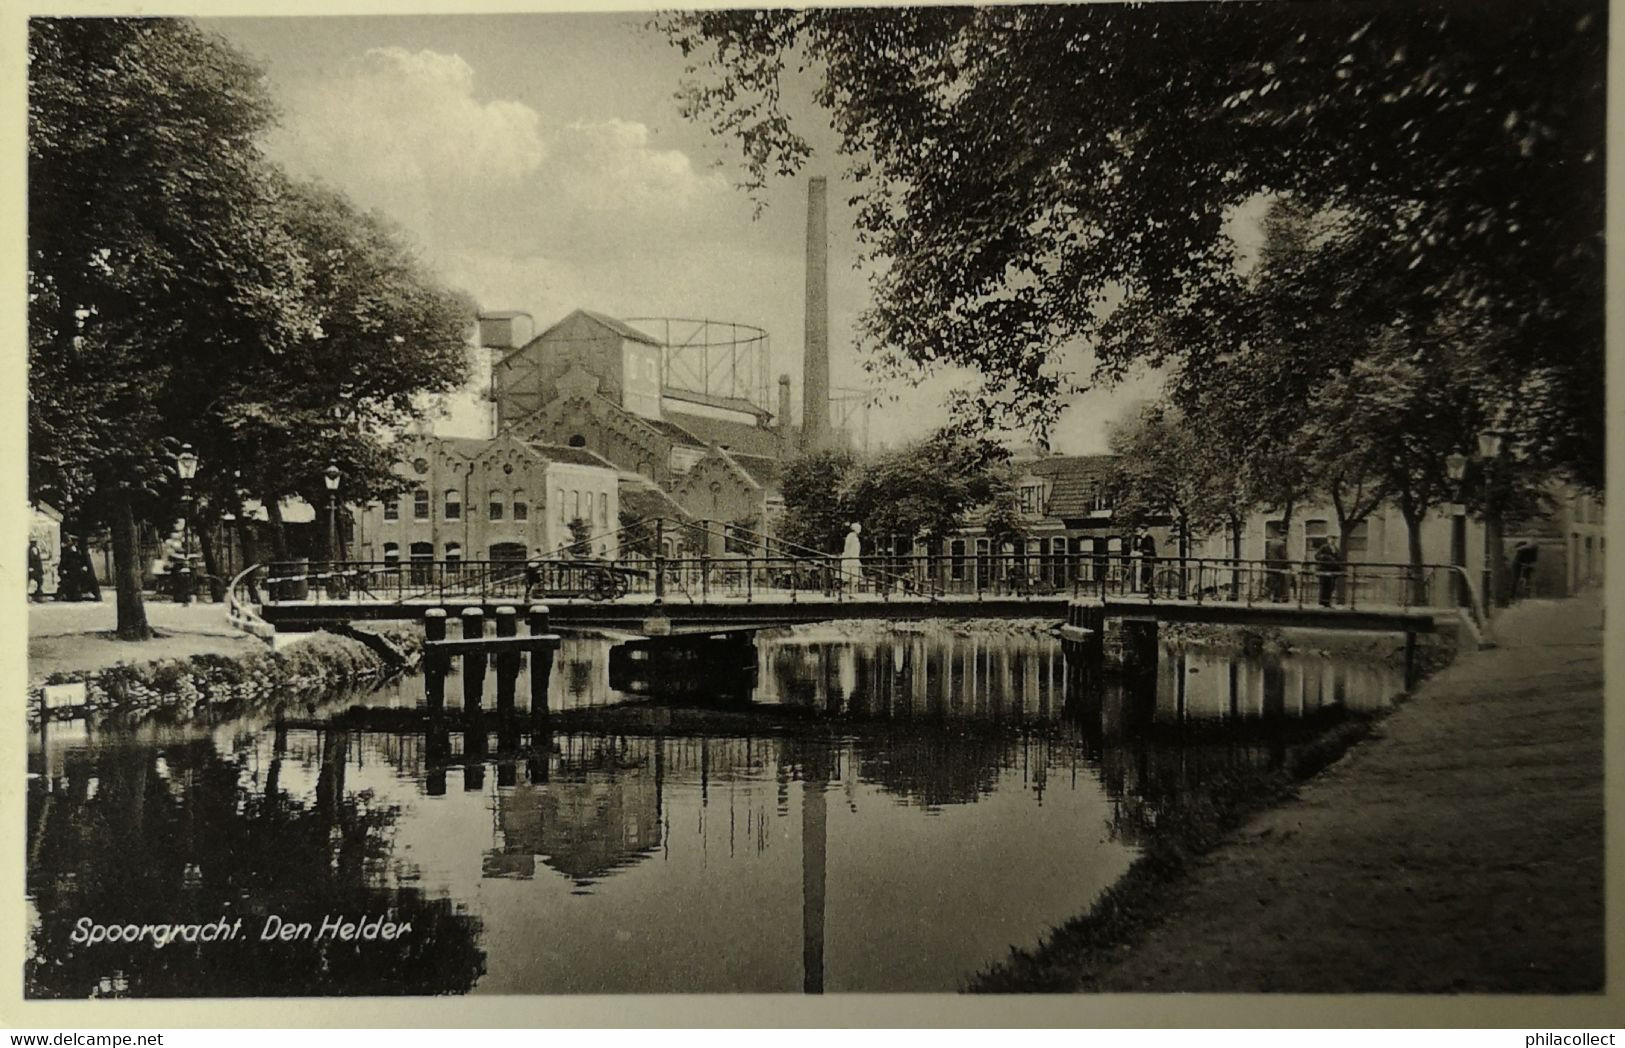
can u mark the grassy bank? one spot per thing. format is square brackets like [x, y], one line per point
[191, 685]
[1076, 953]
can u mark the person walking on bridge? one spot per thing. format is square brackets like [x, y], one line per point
[1329, 565]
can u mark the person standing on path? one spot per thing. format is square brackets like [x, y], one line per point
[1148, 562]
[852, 558]
[1329, 564]
[36, 573]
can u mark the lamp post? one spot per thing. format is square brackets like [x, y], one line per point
[1491, 445]
[331, 478]
[1456, 467]
[186, 467]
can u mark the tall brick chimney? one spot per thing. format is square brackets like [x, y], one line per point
[815, 366]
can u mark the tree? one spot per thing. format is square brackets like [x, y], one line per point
[181, 288]
[923, 490]
[1024, 174]
[156, 263]
[580, 538]
[385, 333]
[1167, 468]
[815, 515]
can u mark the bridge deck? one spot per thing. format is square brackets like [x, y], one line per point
[769, 609]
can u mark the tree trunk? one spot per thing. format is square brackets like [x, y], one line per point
[1413, 532]
[211, 564]
[279, 534]
[1499, 594]
[132, 613]
[1235, 555]
[248, 542]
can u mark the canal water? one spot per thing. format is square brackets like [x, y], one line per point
[888, 812]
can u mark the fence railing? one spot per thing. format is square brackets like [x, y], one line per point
[699, 578]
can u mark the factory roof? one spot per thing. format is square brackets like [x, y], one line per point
[563, 453]
[672, 431]
[736, 436]
[739, 404]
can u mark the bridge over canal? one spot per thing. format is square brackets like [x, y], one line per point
[793, 588]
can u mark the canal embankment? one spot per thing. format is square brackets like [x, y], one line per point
[1459, 849]
[194, 662]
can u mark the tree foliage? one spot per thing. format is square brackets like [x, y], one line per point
[1037, 178]
[183, 289]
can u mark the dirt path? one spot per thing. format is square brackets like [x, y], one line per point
[1460, 850]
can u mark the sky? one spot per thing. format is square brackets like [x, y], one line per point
[540, 163]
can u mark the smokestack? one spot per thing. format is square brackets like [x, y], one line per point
[815, 360]
[784, 404]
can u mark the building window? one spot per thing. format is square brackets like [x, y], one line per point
[577, 441]
[422, 562]
[1057, 547]
[1314, 536]
[454, 556]
[496, 509]
[454, 504]
[956, 559]
[603, 509]
[1100, 500]
[521, 508]
[420, 504]
[392, 509]
[984, 561]
[577, 500]
[392, 553]
[559, 495]
[1032, 499]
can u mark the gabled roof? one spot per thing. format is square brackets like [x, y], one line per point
[675, 433]
[620, 327]
[563, 453]
[762, 468]
[1073, 480]
[641, 499]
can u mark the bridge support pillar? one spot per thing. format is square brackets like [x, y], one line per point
[473, 661]
[1410, 660]
[541, 663]
[507, 661]
[434, 663]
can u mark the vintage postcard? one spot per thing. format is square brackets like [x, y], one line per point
[1101, 500]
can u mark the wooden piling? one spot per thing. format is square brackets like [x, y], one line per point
[507, 661]
[434, 664]
[473, 661]
[541, 661]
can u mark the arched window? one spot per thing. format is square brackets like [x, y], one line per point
[420, 504]
[577, 441]
[577, 503]
[454, 557]
[603, 509]
[521, 508]
[392, 553]
[496, 510]
[558, 495]
[454, 504]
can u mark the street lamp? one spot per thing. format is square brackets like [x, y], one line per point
[331, 478]
[1456, 467]
[186, 466]
[1491, 443]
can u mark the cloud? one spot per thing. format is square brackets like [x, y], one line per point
[611, 165]
[402, 131]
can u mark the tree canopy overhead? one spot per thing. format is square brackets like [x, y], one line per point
[1035, 178]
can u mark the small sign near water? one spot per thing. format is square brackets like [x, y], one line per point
[65, 696]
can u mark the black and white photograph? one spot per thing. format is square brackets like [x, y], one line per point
[1090, 499]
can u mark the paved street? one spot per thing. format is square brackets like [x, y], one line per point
[1459, 850]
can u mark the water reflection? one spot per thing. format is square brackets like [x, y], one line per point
[888, 814]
